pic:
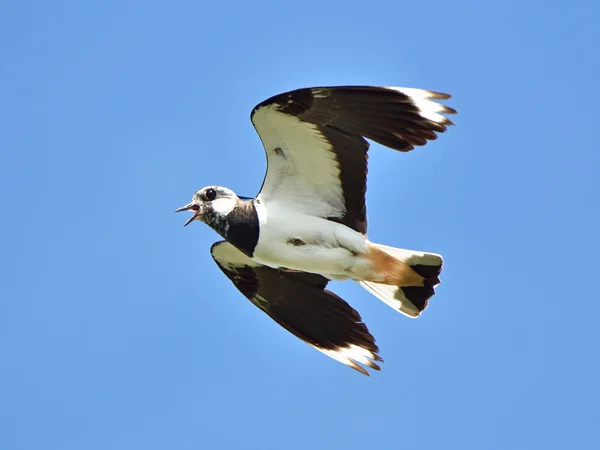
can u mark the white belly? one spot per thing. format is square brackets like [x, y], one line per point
[296, 241]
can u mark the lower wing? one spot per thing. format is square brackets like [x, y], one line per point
[299, 302]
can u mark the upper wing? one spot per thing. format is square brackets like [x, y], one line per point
[299, 302]
[316, 147]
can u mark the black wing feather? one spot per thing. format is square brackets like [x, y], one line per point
[346, 115]
[299, 302]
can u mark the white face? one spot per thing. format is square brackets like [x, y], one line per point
[210, 203]
[221, 200]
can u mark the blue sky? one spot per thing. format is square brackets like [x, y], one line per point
[117, 330]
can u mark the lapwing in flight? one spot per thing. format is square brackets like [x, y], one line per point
[308, 224]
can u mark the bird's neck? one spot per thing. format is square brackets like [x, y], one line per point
[217, 222]
[240, 227]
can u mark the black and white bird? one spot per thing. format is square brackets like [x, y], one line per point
[308, 224]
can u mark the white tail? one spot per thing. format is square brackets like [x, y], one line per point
[410, 278]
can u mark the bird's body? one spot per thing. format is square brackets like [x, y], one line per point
[298, 241]
[308, 224]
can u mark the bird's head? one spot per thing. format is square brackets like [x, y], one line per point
[211, 204]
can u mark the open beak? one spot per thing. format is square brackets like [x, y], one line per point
[190, 207]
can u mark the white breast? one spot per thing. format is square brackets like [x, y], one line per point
[297, 241]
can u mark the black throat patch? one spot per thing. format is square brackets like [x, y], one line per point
[242, 227]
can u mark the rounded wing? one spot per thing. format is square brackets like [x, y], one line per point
[299, 302]
[316, 149]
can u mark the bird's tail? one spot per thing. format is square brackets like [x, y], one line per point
[409, 277]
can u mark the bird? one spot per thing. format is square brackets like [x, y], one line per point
[308, 224]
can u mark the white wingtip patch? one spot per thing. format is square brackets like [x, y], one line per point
[420, 94]
[353, 354]
[422, 99]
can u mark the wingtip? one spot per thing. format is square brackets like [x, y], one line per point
[355, 357]
[358, 368]
[439, 95]
[361, 369]
[449, 110]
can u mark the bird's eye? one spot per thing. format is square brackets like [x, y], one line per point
[211, 194]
